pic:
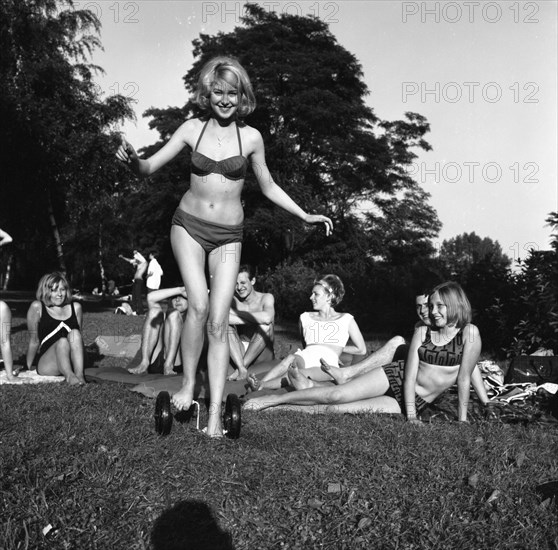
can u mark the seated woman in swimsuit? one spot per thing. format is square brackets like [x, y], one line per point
[439, 356]
[54, 324]
[5, 342]
[325, 334]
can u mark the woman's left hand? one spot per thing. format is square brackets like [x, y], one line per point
[317, 218]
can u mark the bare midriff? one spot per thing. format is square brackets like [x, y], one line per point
[432, 380]
[214, 198]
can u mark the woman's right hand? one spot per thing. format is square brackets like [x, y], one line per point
[126, 153]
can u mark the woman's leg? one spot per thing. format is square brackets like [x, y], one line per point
[379, 358]
[150, 338]
[190, 258]
[77, 354]
[371, 384]
[223, 270]
[275, 378]
[172, 330]
[56, 361]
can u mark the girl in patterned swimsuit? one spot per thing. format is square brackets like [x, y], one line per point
[325, 334]
[207, 225]
[54, 324]
[439, 356]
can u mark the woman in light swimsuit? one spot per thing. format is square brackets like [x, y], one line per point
[439, 356]
[324, 333]
[54, 323]
[208, 223]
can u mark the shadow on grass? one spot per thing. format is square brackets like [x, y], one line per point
[189, 525]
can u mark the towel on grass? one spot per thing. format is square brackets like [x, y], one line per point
[29, 377]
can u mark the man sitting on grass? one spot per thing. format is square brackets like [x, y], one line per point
[161, 331]
[251, 321]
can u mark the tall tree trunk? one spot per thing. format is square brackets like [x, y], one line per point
[8, 272]
[56, 235]
[100, 254]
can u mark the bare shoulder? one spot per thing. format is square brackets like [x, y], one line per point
[251, 138]
[77, 307]
[471, 332]
[189, 130]
[35, 308]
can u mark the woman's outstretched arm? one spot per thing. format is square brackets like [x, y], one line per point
[471, 351]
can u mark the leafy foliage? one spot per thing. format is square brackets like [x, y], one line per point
[57, 127]
[324, 145]
[536, 299]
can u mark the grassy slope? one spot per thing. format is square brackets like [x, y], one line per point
[87, 462]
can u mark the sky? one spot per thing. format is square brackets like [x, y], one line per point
[483, 73]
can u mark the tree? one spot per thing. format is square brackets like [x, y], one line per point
[534, 307]
[55, 125]
[325, 146]
[459, 254]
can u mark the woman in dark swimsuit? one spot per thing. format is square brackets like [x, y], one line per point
[208, 223]
[439, 356]
[54, 324]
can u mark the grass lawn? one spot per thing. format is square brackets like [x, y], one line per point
[83, 468]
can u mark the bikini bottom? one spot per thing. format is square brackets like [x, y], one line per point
[209, 235]
[395, 373]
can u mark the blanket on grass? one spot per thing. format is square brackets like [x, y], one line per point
[29, 377]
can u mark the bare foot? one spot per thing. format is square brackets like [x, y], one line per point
[82, 381]
[214, 426]
[168, 371]
[73, 380]
[297, 379]
[140, 369]
[336, 373]
[240, 374]
[253, 383]
[184, 398]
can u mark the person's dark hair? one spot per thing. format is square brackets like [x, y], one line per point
[247, 268]
[333, 285]
[229, 70]
[47, 284]
[458, 305]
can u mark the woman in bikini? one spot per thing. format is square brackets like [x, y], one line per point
[208, 223]
[439, 356]
[54, 323]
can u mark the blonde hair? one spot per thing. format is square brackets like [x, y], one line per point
[227, 69]
[46, 285]
[458, 306]
[334, 286]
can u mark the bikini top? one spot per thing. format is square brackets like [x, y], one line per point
[233, 168]
[49, 326]
[448, 355]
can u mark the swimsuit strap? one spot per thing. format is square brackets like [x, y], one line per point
[239, 141]
[202, 132]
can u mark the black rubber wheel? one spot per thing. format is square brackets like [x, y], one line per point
[163, 416]
[232, 420]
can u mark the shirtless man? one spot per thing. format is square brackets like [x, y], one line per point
[161, 331]
[251, 321]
